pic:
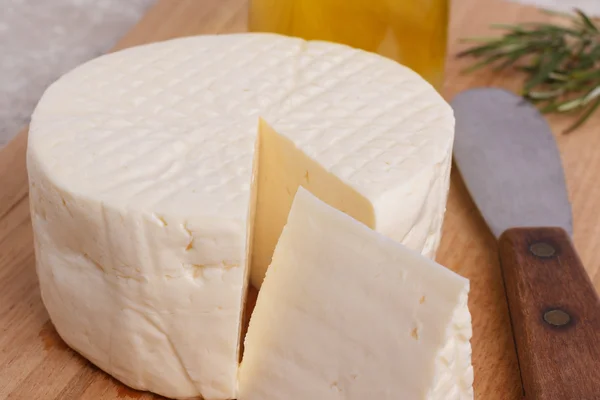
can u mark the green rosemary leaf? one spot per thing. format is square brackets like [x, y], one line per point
[586, 21]
[557, 13]
[548, 64]
[569, 105]
[544, 95]
[558, 76]
[593, 94]
[584, 117]
[510, 60]
[477, 39]
[561, 61]
[515, 28]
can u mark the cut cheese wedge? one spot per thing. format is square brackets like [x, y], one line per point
[282, 168]
[346, 313]
[151, 196]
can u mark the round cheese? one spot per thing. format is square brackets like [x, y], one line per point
[160, 175]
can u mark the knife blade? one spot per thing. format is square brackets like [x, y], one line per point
[509, 161]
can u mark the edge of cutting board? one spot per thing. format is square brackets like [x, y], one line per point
[36, 364]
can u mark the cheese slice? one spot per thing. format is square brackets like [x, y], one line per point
[346, 313]
[153, 193]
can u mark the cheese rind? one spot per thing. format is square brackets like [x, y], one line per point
[126, 290]
[347, 313]
[141, 175]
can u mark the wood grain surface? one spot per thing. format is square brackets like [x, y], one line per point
[555, 314]
[34, 362]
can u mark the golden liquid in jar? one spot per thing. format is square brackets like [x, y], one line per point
[412, 32]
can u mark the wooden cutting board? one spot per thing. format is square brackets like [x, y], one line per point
[36, 364]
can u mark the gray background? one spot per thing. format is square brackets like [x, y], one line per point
[42, 39]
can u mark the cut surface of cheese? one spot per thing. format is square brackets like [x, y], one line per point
[146, 179]
[346, 313]
[282, 168]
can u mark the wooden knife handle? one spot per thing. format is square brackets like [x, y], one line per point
[555, 314]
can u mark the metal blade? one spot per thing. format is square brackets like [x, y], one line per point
[509, 161]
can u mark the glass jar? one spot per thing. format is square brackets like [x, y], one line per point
[412, 32]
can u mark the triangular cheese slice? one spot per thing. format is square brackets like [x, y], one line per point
[346, 313]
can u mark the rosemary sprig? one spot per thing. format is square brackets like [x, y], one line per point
[561, 61]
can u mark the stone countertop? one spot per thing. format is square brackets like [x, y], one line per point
[592, 7]
[42, 39]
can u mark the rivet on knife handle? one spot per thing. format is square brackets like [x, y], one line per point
[555, 314]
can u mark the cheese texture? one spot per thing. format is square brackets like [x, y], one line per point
[346, 313]
[149, 166]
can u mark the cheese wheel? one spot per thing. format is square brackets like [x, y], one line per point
[162, 174]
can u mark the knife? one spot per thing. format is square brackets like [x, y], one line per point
[509, 161]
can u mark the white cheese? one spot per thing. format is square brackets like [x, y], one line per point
[346, 313]
[143, 183]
